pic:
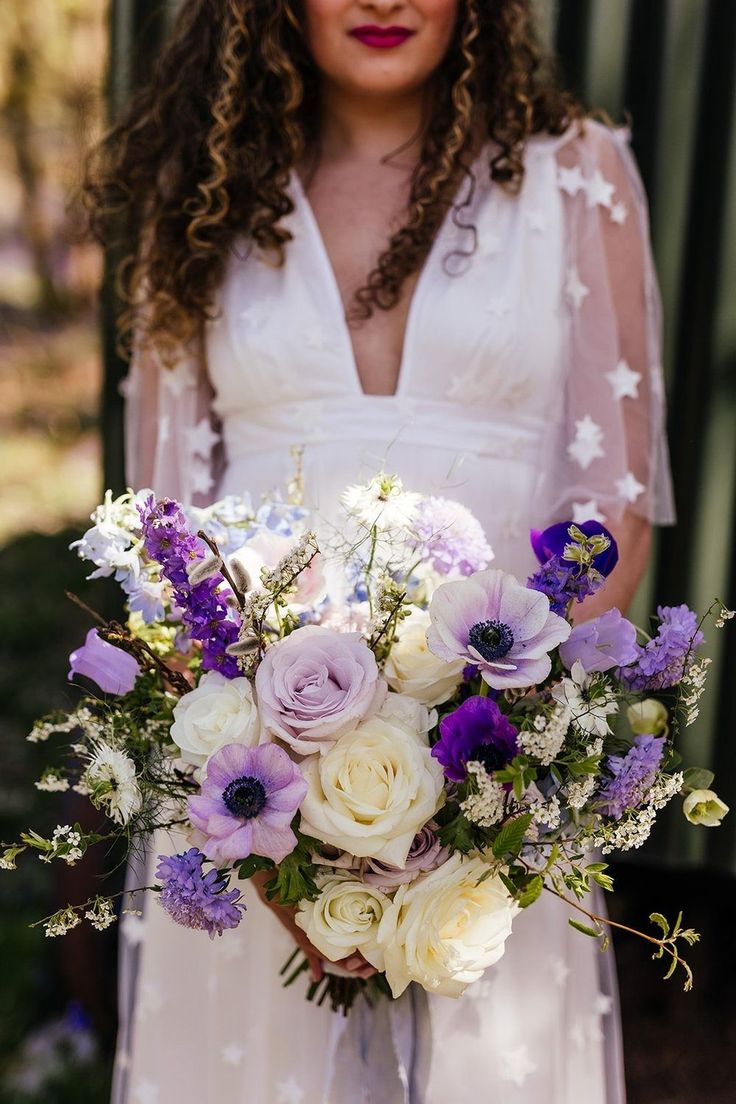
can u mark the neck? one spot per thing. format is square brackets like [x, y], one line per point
[366, 128]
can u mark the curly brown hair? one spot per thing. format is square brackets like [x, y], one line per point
[204, 152]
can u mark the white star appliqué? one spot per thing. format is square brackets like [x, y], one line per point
[603, 1004]
[598, 190]
[201, 439]
[289, 1092]
[516, 1065]
[587, 444]
[233, 1054]
[559, 969]
[575, 289]
[132, 928]
[618, 213]
[587, 511]
[202, 479]
[570, 180]
[624, 381]
[629, 488]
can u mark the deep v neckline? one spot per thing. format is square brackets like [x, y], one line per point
[304, 208]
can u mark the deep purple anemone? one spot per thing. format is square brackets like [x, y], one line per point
[247, 802]
[551, 542]
[476, 731]
[194, 899]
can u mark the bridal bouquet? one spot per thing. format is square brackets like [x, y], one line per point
[406, 743]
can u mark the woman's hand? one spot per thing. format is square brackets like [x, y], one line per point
[354, 964]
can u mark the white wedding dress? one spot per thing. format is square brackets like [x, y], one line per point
[531, 390]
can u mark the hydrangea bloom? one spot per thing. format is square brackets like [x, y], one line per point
[247, 802]
[194, 899]
[476, 731]
[169, 540]
[492, 620]
[451, 539]
[664, 660]
[632, 776]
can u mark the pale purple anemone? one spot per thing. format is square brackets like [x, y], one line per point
[315, 685]
[601, 643]
[247, 802]
[491, 620]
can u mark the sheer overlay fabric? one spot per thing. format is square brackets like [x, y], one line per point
[530, 389]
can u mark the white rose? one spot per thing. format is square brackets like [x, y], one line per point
[412, 669]
[704, 807]
[219, 711]
[376, 786]
[345, 918]
[446, 928]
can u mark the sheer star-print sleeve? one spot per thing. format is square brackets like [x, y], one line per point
[172, 439]
[607, 450]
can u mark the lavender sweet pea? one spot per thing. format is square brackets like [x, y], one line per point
[492, 620]
[601, 643]
[246, 804]
[476, 731]
[315, 685]
[114, 670]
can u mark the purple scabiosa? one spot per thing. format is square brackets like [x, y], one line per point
[477, 731]
[665, 659]
[632, 776]
[204, 610]
[492, 620]
[451, 539]
[246, 803]
[195, 899]
[551, 542]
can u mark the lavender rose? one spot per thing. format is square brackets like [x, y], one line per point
[315, 685]
[426, 853]
[601, 643]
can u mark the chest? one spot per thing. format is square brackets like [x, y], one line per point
[355, 211]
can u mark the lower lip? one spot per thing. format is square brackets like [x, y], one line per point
[381, 42]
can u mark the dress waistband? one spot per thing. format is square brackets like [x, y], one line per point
[385, 418]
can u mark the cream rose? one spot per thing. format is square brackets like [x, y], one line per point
[218, 711]
[345, 918]
[704, 807]
[412, 669]
[377, 786]
[445, 929]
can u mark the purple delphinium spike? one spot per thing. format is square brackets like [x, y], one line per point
[194, 899]
[169, 540]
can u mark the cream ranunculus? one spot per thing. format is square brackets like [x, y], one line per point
[218, 711]
[704, 807]
[445, 929]
[377, 786]
[345, 918]
[412, 669]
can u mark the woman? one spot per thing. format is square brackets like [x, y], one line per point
[369, 227]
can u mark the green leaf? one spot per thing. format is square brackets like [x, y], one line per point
[698, 778]
[294, 878]
[531, 892]
[511, 837]
[458, 834]
[583, 928]
[250, 866]
[661, 921]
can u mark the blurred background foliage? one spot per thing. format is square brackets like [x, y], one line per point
[58, 381]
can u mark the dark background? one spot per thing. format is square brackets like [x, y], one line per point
[671, 64]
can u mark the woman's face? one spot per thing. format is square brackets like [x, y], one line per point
[379, 47]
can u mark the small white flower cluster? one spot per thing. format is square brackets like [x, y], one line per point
[112, 783]
[578, 794]
[65, 844]
[486, 807]
[80, 718]
[634, 828]
[546, 814]
[52, 782]
[692, 688]
[101, 915]
[8, 857]
[545, 739]
[724, 616]
[62, 922]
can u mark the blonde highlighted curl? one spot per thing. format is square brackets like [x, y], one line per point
[204, 152]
